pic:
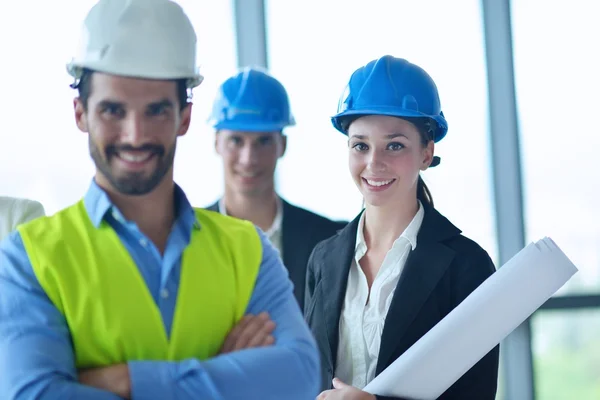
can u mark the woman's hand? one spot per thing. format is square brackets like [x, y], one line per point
[342, 391]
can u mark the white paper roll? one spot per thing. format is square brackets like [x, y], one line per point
[489, 314]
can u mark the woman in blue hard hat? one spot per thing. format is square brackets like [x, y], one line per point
[394, 272]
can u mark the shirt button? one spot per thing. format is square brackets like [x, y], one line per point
[164, 293]
[143, 242]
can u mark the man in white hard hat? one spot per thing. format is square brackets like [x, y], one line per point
[15, 211]
[131, 292]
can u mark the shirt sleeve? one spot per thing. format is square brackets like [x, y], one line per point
[36, 356]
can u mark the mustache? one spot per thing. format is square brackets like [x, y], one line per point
[112, 150]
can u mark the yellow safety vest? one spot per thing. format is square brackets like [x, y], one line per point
[92, 280]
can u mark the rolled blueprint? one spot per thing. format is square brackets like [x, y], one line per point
[489, 314]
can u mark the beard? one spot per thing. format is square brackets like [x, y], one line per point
[133, 183]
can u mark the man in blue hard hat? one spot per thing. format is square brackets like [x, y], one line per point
[250, 112]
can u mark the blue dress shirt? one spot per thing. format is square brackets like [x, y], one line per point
[36, 353]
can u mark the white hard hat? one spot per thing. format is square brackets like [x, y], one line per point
[151, 39]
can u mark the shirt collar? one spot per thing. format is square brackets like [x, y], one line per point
[275, 226]
[98, 205]
[410, 233]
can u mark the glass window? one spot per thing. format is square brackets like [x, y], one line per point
[44, 156]
[557, 85]
[566, 351]
[314, 61]
[198, 169]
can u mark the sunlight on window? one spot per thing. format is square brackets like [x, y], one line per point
[197, 167]
[557, 86]
[44, 156]
[566, 353]
[557, 92]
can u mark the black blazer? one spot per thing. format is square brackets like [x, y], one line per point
[301, 230]
[444, 269]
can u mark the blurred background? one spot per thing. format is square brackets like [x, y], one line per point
[517, 81]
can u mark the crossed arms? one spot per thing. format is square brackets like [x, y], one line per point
[37, 360]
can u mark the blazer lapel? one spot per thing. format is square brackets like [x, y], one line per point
[289, 233]
[334, 279]
[214, 207]
[424, 268]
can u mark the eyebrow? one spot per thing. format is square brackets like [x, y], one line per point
[165, 103]
[391, 136]
[253, 137]
[110, 103]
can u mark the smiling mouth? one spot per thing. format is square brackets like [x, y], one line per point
[248, 175]
[135, 156]
[378, 183]
[134, 160]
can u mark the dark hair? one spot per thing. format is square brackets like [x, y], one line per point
[425, 126]
[84, 87]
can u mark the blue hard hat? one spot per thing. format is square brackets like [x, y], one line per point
[252, 101]
[395, 87]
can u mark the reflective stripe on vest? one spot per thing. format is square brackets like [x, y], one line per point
[90, 277]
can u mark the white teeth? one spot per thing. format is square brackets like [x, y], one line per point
[378, 183]
[134, 157]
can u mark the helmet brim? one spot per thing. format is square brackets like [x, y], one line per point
[76, 70]
[440, 132]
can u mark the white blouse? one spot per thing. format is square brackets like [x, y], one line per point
[363, 316]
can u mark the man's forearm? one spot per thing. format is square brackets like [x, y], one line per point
[114, 379]
[267, 373]
[57, 388]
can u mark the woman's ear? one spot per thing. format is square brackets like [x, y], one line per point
[427, 155]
